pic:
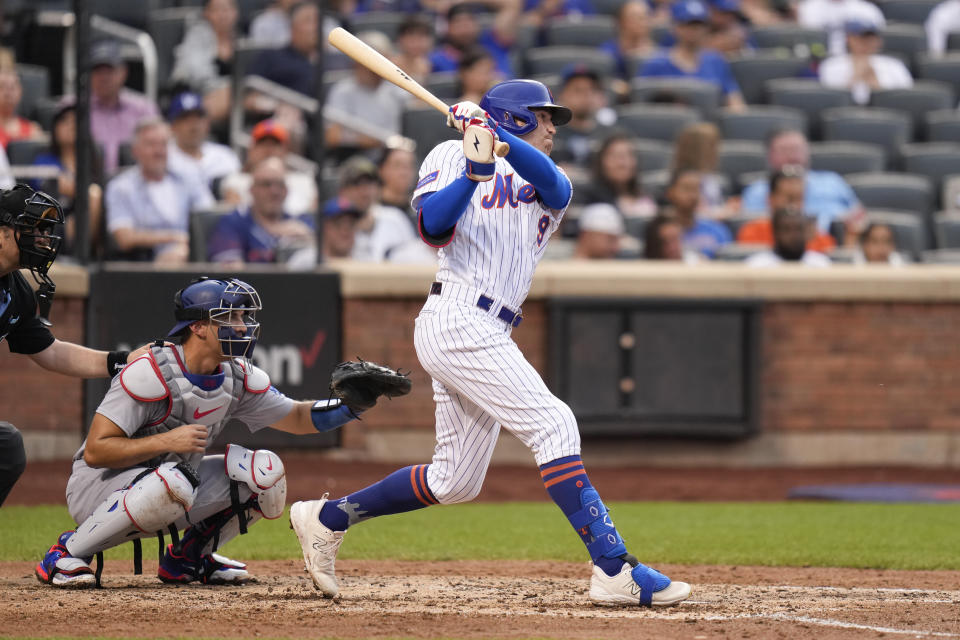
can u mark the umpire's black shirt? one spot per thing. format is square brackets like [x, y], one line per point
[19, 323]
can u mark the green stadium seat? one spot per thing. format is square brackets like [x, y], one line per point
[753, 71]
[655, 121]
[847, 157]
[759, 120]
[580, 31]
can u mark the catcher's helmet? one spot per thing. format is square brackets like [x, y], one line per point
[36, 218]
[217, 300]
[514, 100]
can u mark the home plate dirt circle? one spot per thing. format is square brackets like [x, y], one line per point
[486, 600]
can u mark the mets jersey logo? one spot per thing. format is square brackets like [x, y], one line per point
[503, 193]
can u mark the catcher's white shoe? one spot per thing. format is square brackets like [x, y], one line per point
[319, 544]
[639, 585]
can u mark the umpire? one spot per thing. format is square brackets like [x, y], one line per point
[29, 223]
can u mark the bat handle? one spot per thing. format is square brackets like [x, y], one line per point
[501, 148]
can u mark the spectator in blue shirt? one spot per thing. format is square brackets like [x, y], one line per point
[688, 58]
[262, 232]
[633, 39]
[293, 66]
[148, 206]
[827, 196]
[699, 234]
[463, 33]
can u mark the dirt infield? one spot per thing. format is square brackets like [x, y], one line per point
[487, 600]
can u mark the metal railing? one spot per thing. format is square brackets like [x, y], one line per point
[140, 39]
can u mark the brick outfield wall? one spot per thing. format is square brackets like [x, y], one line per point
[826, 367]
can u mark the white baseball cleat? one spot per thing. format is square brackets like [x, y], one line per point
[626, 588]
[318, 543]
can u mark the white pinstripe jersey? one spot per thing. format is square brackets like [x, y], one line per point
[502, 234]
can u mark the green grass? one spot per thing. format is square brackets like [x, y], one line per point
[882, 536]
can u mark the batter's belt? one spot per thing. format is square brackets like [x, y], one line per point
[470, 296]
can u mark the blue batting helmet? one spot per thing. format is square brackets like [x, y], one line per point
[514, 100]
[218, 301]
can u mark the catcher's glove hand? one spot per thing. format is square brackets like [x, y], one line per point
[359, 384]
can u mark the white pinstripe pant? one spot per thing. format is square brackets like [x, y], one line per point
[482, 381]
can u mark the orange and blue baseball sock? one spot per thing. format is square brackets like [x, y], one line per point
[401, 491]
[566, 481]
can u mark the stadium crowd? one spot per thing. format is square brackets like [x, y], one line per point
[768, 131]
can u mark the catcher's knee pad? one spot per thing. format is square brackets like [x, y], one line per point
[594, 517]
[154, 500]
[263, 473]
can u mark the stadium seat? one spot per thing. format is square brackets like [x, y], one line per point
[202, 224]
[936, 160]
[909, 230]
[905, 41]
[654, 183]
[909, 11]
[387, 22]
[752, 72]
[444, 85]
[847, 157]
[580, 31]
[924, 96]
[655, 121]
[655, 155]
[44, 111]
[133, 14]
[427, 127]
[943, 126]
[35, 81]
[947, 229]
[940, 256]
[735, 223]
[759, 120]
[893, 191]
[953, 41]
[737, 252]
[607, 7]
[887, 128]
[796, 39]
[808, 95]
[636, 227]
[943, 69]
[558, 59]
[24, 151]
[842, 255]
[166, 27]
[951, 194]
[744, 180]
[703, 95]
[737, 157]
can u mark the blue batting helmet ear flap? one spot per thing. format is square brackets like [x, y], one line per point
[230, 304]
[514, 100]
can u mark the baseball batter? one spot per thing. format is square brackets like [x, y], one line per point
[143, 468]
[491, 218]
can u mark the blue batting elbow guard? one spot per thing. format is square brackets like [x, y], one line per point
[330, 414]
[480, 171]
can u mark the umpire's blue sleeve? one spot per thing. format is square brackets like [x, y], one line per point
[440, 210]
[538, 169]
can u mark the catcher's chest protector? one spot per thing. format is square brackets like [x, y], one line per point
[159, 375]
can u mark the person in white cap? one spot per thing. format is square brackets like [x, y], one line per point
[601, 232]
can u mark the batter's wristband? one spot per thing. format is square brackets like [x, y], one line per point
[116, 361]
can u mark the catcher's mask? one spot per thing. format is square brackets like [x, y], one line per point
[231, 305]
[36, 219]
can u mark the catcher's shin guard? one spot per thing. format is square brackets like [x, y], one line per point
[154, 500]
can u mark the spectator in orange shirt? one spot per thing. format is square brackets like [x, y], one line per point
[786, 192]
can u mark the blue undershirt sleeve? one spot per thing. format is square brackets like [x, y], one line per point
[538, 169]
[440, 210]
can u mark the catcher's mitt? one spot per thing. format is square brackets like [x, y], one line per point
[359, 384]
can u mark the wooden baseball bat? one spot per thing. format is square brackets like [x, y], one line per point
[373, 60]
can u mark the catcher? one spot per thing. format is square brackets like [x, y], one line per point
[143, 468]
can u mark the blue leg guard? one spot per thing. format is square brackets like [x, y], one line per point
[594, 518]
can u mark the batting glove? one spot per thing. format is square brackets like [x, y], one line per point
[460, 115]
[478, 140]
